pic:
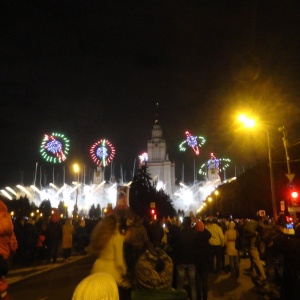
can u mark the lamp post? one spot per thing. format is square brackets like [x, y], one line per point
[248, 122]
[65, 206]
[209, 200]
[284, 139]
[289, 175]
[272, 178]
[76, 170]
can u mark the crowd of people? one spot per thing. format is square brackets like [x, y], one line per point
[136, 255]
[169, 255]
[41, 240]
[25, 241]
[155, 256]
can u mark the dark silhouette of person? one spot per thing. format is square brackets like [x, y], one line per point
[184, 248]
[202, 259]
[156, 233]
[30, 241]
[136, 241]
[53, 237]
[20, 236]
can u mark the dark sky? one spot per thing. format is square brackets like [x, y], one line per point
[96, 69]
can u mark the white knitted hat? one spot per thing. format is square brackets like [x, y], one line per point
[98, 286]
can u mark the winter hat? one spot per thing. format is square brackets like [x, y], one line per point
[54, 217]
[3, 207]
[98, 286]
[199, 226]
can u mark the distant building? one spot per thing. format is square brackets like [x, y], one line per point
[161, 169]
[98, 175]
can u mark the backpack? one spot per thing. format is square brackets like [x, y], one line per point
[154, 269]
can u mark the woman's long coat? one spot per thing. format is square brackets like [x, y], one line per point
[111, 260]
[67, 235]
[230, 238]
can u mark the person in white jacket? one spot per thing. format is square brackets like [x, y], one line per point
[98, 286]
[107, 242]
[234, 260]
[216, 243]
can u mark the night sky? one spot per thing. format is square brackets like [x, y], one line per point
[96, 69]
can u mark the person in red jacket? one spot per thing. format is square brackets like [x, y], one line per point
[8, 246]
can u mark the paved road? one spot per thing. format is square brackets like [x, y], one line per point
[58, 281]
[228, 288]
[49, 281]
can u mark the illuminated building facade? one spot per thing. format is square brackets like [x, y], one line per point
[161, 169]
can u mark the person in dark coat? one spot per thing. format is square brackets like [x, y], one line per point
[30, 241]
[53, 237]
[202, 259]
[173, 228]
[184, 247]
[156, 233]
[290, 249]
[81, 237]
[136, 242]
[20, 236]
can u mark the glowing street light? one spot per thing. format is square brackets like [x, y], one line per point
[216, 192]
[249, 123]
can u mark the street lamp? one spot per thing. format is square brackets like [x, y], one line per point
[249, 123]
[217, 193]
[76, 170]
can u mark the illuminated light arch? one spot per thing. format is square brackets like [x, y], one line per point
[55, 147]
[102, 152]
[192, 141]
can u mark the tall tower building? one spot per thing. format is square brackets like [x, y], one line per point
[159, 166]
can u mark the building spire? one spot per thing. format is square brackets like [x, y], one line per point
[156, 113]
